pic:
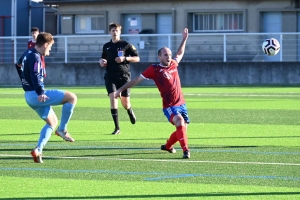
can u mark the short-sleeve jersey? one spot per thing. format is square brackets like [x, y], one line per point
[112, 50]
[168, 83]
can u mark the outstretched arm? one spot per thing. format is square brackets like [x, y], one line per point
[129, 84]
[180, 51]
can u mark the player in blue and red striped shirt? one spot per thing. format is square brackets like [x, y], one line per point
[166, 77]
[32, 75]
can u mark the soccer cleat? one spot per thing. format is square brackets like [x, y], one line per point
[36, 155]
[116, 132]
[186, 154]
[131, 116]
[65, 135]
[172, 150]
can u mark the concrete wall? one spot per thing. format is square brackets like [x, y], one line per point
[192, 74]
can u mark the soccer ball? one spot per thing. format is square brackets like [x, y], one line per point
[271, 46]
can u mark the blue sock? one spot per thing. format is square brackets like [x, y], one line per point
[67, 111]
[45, 135]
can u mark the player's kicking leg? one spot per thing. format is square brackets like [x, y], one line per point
[69, 101]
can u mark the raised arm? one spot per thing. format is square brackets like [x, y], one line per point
[181, 48]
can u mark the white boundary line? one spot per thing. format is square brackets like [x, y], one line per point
[160, 160]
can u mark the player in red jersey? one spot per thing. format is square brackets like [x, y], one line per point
[34, 33]
[166, 77]
[31, 44]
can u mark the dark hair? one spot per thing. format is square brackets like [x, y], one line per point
[35, 29]
[114, 25]
[44, 38]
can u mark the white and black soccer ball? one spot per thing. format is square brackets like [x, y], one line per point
[271, 46]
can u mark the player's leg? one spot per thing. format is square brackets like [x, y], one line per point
[44, 111]
[114, 112]
[111, 89]
[173, 137]
[178, 116]
[180, 120]
[69, 101]
[127, 105]
[126, 97]
[46, 132]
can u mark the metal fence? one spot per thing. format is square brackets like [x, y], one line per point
[212, 47]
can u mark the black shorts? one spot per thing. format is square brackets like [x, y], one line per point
[115, 81]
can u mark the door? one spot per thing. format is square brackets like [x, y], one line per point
[132, 25]
[164, 26]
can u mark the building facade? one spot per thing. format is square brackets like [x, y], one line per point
[171, 16]
[18, 16]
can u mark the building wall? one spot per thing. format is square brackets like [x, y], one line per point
[5, 18]
[192, 74]
[181, 10]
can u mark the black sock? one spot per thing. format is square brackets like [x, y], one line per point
[114, 114]
[129, 110]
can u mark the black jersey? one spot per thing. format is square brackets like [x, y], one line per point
[112, 50]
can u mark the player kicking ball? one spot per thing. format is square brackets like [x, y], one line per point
[31, 72]
[166, 77]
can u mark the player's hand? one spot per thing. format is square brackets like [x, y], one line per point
[185, 33]
[118, 94]
[103, 62]
[42, 98]
[120, 59]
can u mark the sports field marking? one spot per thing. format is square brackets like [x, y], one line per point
[164, 175]
[233, 94]
[157, 160]
[155, 149]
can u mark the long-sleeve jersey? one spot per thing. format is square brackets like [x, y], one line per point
[31, 71]
[112, 50]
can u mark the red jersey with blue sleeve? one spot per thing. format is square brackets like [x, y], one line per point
[31, 71]
[168, 83]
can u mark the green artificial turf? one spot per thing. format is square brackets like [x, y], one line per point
[244, 144]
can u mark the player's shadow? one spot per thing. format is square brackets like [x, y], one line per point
[163, 196]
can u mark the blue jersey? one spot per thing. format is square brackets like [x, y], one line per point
[31, 71]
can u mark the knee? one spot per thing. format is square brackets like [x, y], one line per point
[71, 98]
[178, 120]
[52, 120]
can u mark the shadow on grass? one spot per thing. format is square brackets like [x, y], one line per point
[204, 138]
[168, 195]
[19, 134]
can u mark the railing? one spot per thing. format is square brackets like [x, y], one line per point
[212, 47]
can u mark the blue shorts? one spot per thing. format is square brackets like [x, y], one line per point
[43, 109]
[175, 110]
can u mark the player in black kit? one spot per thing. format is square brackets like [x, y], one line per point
[116, 56]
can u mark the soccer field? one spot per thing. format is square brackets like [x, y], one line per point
[244, 143]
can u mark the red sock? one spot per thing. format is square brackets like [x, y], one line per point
[182, 137]
[171, 141]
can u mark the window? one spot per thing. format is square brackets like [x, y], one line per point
[89, 24]
[208, 22]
